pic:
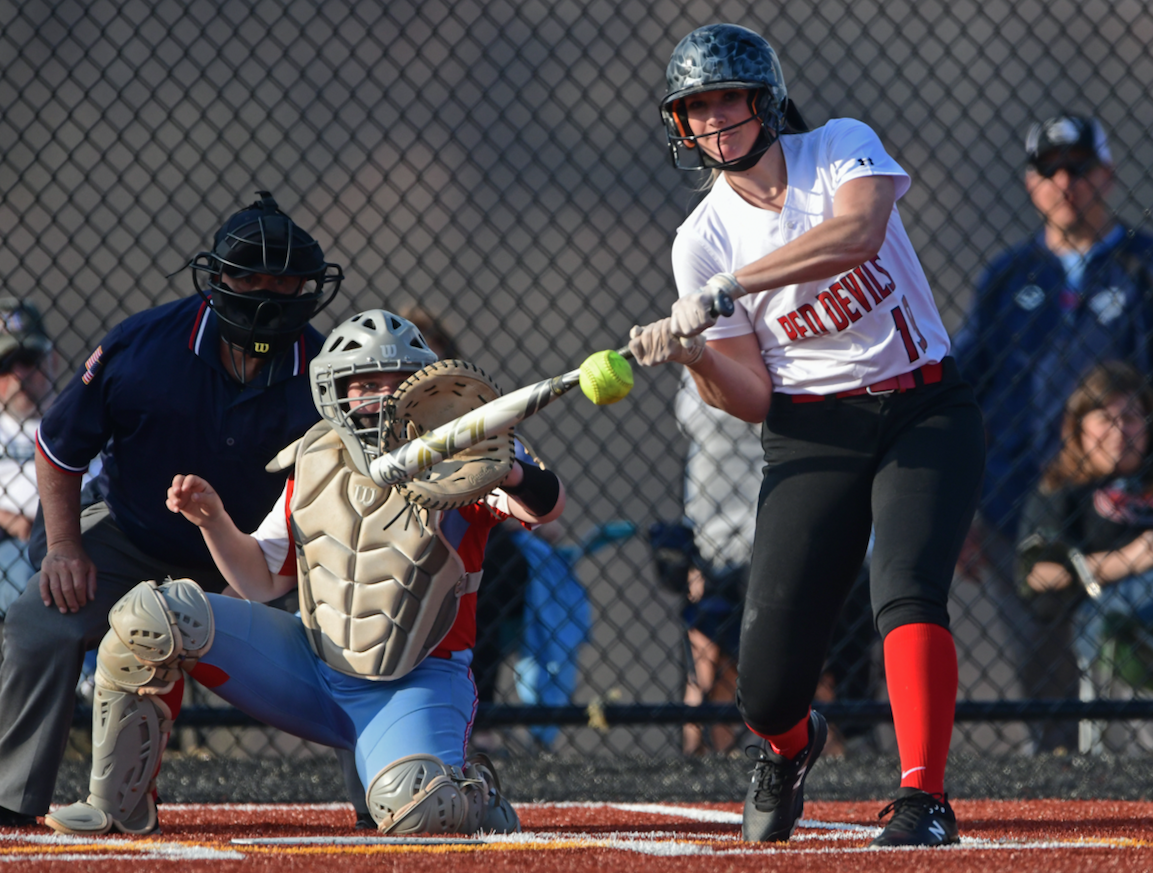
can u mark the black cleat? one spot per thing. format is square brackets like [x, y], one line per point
[919, 819]
[776, 796]
[365, 822]
[10, 819]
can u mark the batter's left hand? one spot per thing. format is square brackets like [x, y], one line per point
[693, 314]
[655, 344]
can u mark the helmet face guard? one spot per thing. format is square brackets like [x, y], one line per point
[375, 341]
[722, 57]
[263, 240]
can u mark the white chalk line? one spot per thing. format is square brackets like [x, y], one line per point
[660, 843]
[106, 849]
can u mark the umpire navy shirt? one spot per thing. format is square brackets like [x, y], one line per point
[155, 400]
[1029, 338]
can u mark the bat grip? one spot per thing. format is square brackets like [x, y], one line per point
[722, 305]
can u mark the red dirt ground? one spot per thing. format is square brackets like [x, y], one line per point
[1044, 836]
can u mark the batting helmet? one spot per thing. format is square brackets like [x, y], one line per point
[375, 341]
[262, 239]
[723, 57]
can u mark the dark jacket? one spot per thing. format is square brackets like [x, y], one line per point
[1028, 340]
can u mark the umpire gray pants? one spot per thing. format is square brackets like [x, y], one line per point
[43, 650]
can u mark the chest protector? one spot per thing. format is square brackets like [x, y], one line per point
[379, 584]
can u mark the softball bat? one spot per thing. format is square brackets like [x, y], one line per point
[418, 455]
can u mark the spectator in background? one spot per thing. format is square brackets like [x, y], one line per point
[214, 383]
[557, 615]
[721, 487]
[27, 376]
[1045, 311]
[1086, 536]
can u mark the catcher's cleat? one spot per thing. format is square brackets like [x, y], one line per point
[498, 817]
[84, 818]
[776, 796]
[919, 819]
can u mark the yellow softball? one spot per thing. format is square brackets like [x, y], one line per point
[606, 377]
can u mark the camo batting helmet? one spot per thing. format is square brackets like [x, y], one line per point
[723, 57]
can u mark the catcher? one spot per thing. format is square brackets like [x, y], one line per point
[378, 661]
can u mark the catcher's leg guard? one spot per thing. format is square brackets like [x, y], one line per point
[155, 630]
[497, 816]
[420, 794]
[129, 733]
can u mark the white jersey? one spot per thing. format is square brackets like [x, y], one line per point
[874, 322]
[18, 465]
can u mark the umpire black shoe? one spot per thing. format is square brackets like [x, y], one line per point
[10, 819]
[776, 796]
[919, 819]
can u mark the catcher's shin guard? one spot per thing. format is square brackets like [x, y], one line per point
[129, 733]
[420, 794]
[497, 815]
[155, 630]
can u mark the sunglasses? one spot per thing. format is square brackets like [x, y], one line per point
[1076, 169]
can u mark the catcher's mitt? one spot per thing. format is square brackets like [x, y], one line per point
[434, 396]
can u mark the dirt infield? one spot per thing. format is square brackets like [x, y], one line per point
[1026, 836]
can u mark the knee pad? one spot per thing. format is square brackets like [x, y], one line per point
[155, 630]
[420, 794]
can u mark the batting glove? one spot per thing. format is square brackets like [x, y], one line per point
[693, 314]
[655, 344]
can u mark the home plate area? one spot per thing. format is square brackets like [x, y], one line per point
[1047, 836]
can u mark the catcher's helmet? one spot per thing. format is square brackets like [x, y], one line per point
[374, 341]
[723, 57]
[262, 239]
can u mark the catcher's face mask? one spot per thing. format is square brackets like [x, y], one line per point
[363, 361]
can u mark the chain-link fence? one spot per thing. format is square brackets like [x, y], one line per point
[502, 165]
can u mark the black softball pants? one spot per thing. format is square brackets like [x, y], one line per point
[908, 464]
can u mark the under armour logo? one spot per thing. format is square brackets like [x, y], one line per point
[364, 494]
[865, 162]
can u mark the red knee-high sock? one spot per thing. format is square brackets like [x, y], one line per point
[921, 671]
[792, 742]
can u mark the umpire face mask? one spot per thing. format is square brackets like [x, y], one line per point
[260, 314]
[265, 277]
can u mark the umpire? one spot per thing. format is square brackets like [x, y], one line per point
[214, 384]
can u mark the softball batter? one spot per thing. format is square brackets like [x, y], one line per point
[837, 346]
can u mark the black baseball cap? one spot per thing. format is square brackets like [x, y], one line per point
[1067, 137]
[21, 330]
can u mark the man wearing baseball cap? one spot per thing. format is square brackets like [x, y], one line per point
[26, 377]
[1046, 310]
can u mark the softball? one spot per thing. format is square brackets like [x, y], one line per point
[606, 377]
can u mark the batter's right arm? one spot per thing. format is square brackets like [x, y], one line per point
[731, 376]
[67, 574]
